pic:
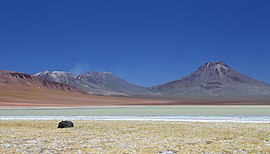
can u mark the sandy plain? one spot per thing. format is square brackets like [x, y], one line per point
[133, 137]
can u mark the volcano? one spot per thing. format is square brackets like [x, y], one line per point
[214, 80]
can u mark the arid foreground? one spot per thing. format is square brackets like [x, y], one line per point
[133, 137]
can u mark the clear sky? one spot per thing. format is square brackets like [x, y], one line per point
[145, 42]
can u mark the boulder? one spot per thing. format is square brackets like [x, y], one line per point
[65, 124]
[168, 152]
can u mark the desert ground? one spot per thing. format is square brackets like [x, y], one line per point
[133, 137]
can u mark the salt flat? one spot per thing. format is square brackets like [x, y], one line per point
[34, 136]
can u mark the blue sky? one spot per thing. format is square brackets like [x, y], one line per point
[145, 42]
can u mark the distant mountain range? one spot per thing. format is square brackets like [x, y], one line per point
[99, 83]
[20, 89]
[213, 80]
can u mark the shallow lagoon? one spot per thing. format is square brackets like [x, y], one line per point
[224, 111]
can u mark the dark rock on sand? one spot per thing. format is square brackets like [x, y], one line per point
[65, 124]
[168, 152]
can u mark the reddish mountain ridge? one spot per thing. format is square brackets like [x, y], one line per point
[26, 80]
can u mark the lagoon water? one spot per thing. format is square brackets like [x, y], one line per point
[142, 111]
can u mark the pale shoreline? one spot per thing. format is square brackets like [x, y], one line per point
[212, 119]
[211, 113]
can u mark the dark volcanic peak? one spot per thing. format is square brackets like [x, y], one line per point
[216, 71]
[214, 79]
[215, 66]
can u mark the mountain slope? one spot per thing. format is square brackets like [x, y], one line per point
[109, 82]
[100, 83]
[25, 80]
[215, 80]
[20, 89]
